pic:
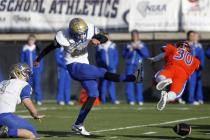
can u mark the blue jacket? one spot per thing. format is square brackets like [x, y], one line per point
[133, 56]
[59, 57]
[107, 56]
[28, 55]
[198, 52]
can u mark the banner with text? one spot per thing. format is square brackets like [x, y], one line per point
[154, 15]
[196, 15]
[51, 15]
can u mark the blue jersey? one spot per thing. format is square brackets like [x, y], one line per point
[198, 52]
[107, 55]
[133, 56]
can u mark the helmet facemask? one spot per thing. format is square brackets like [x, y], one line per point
[183, 45]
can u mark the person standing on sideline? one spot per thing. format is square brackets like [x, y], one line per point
[134, 52]
[107, 57]
[64, 79]
[194, 83]
[28, 54]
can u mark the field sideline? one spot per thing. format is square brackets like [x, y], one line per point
[122, 122]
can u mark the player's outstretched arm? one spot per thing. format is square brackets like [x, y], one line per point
[31, 108]
[156, 58]
[44, 52]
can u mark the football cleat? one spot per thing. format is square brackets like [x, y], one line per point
[3, 131]
[163, 84]
[163, 100]
[80, 129]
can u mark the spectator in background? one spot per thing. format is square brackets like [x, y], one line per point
[194, 83]
[64, 79]
[28, 54]
[133, 53]
[107, 57]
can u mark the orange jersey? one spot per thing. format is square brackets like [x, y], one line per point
[177, 57]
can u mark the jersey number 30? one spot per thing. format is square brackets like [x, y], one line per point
[184, 55]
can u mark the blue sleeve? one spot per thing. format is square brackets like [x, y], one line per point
[26, 92]
[202, 58]
[126, 52]
[144, 51]
[59, 59]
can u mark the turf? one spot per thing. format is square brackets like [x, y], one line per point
[123, 122]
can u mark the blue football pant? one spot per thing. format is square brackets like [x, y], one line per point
[63, 87]
[14, 123]
[87, 74]
[133, 90]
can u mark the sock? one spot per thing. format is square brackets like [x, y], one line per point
[85, 110]
[118, 78]
[171, 96]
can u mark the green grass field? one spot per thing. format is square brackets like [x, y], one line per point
[123, 122]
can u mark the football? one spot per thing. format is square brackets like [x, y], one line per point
[182, 129]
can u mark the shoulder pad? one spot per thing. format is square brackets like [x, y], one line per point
[62, 38]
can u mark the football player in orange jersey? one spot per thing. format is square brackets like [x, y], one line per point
[179, 65]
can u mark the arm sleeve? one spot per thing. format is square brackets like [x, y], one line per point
[158, 57]
[143, 51]
[46, 50]
[126, 52]
[26, 92]
[202, 58]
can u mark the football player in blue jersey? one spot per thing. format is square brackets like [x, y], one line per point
[12, 92]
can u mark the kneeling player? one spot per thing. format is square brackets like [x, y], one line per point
[179, 65]
[12, 92]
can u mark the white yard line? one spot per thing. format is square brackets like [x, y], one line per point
[149, 133]
[153, 124]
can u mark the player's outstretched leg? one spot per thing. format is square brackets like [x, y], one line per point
[80, 72]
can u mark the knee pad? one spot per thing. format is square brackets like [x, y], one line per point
[171, 96]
